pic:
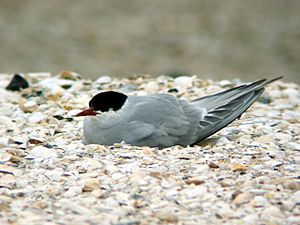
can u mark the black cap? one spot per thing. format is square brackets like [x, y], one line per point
[105, 101]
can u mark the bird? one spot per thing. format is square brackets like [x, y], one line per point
[163, 120]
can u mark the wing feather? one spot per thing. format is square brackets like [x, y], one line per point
[211, 101]
[211, 123]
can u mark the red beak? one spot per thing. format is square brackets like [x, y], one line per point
[87, 112]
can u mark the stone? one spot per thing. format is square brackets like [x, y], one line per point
[183, 82]
[104, 80]
[166, 216]
[17, 83]
[272, 214]
[40, 152]
[28, 106]
[68, 75]
[259, 201]
[293, 146]
[91, 184]
[243, 198]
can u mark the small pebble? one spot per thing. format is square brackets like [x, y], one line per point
[272, 214]
[242, 198]
[41, 152]
[104, 80]
[68, 75]
[259, 201]
[166, 216]
[17, 83]
[213, 165]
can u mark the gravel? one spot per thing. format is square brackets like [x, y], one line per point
[248, 173]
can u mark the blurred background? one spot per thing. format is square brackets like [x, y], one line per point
[210, 38]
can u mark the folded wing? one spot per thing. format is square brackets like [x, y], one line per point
[224, 107]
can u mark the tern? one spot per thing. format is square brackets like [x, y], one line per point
[162, 120]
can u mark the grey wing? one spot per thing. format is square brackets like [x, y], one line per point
[211, 101]
[225, 107]
[165, 114]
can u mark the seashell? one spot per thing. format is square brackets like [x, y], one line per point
[104, 80]
[151, 87]
[194, 181]
[4, 157]
[73, 191]
[36, 117]
[238, 167]
[213, 165]
[40, 152]
[68, 75]
[272, 214]
[259, 201]
[184, 82]
[225, 83]
[166, 216]
[5, 169]
[28, 106]
[242, 198]
[91, 184]
[40, 205]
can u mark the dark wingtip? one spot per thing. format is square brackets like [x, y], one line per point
[273, 80]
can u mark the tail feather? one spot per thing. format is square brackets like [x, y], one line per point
[223, 108]
[212, 101]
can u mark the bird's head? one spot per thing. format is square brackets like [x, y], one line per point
[104, 102]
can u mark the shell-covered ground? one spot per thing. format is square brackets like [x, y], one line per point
[248, 173]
